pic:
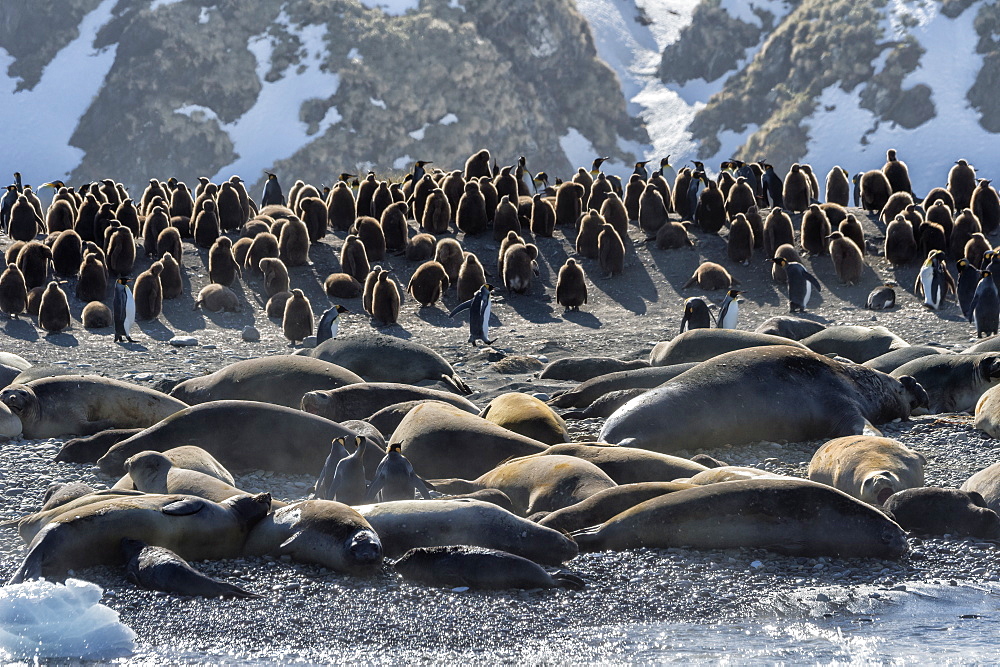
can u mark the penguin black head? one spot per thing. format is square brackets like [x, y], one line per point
[962, 263]
[344, 177]
[124, 280]
[394, 447]
[780, 261]
[733, 293]
[986, 273]
[422, 163]
[341, 309]
[640, 165]
[596, 166]
[665, 162]
[270, 176]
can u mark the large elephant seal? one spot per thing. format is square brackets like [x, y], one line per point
[953, 382]
[893, 359]
[528, 416]
[589, 391]
[153, 472]
[606, 504]
[187, 457]
[627, 465]
[442, 441]
[986, 483]
[387, 359]
[938, 511]
[281, 380]
[357, 401]
[857, 343]
[240, 434]
[191, 527]
[388, 418]
[89, 448]
[581, 369]
[789, 326]
[84, 405]
[159, 569]
[702, 344]
[766, 393]
[322, 532]
[478, 568]
[870, 469]
[988, 412]
[408, 524]
[792, 516]
[29, 525]
[537, 483]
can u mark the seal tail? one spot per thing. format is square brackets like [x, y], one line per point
[569, 580]
[588, 539]
[457, 383]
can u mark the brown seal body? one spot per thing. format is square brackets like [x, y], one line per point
[528, 416]
[604, 505]
[868, 468]
[361, 400]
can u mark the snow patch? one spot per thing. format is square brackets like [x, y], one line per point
[162, 3]
[355, 55]
[392, 7]
[578, 149]
[419, 134]
[448, 119]
[45, 117]
[906, 15]
[203, 15]
[745, 11]
[378, 103]
[401, 162]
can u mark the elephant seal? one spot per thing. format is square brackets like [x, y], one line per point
[592, 390]
[186, 457]
[159, 569]
[788, 326]
[938, 511]
[870, 469]
[280, 379]
[84, 405]
[988, 412]
[605, 406]
[627, 465]
[791, 516]
[10, 424]
[537, 483]
[240, 434]
[60, 493]
[857, 343]
[357, 401]
[29, 525]
[528, 416]
[728, 474]
[893, 359]
[322, 532]
[986, 483]
[478, 568]
[153, 472]
[953, 382]
[702, 344]
[764, 393]
[387, 359]
[604, 505]
[14, 361]
[442, 441]
[193, 528]
[581, 369]
[408, 524]
[388, 418]
[991, 344]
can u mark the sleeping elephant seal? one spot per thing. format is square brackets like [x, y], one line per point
[702, 344]
[986, 483]
[953, 382]
[606, 504]
[478, 568]
[153, 472]
[88, 449]
[281, 379]
[29, 525]
[729, 474]
[857, 343]
[764, 393]
[537, 483]
[84, 405]
[191, 527]
[357, 401]
[240, 434]
[589, 391]
[408, 524]
[322, 532]
[187, 457]
[442, 441]
[789, 326]
[988, 412]
[528, 416]
[791, 516]
[388, 359]
[605, 406]
[159, 569]
[868, 468]
[893, 359]
[938, 511]
[627, 465]
[581, 369]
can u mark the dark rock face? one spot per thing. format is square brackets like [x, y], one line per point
[515, 75]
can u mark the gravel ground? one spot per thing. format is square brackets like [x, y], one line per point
[309, 614]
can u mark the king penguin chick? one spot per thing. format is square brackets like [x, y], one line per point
[394, 478]
[329, 323]
[297, 322]
[571, 286]
[123, 309]
[800, 284]
[986, 307]
[53, 312]
[968, 281]
[479, 315]
[729, 311]
[696, 314]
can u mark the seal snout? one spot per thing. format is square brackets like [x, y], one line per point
[313, 401]
[365, 549]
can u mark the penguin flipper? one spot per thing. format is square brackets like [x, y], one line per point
[811, 278]
[465, 305]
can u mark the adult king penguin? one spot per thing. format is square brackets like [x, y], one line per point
[934, 280]
[272, 191]
[479, 315]
[986, 307]
[123, 310]
[800, 284]
[968, 281]
[329, 323]
[729, 311]
[696, 314]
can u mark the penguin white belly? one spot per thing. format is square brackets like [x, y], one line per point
[486, 319]
[129, 310]
[808, 293]
[334, 327]
[927, 282]
[732, 315]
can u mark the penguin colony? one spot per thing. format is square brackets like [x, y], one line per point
[254, 246]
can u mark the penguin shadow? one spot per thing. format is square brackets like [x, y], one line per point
[394, 330]
[530, 305]
[132, 347]
[582, 318]
[62, 339]
[155, 329]
[20, 328]
[435, 316]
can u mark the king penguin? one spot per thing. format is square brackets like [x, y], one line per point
[395, 479]
[933, 280]
[986, 307]
[696, 314]
[344, 480]
[479, 315]
[729, 312]
[667, 171]
[773, 187]
[272, 191]
[329, 323]
[800, 284]
[124, 310]
[968, 280]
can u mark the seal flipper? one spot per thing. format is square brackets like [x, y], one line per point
[564, 579]
[45, 542]
[184, 507]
